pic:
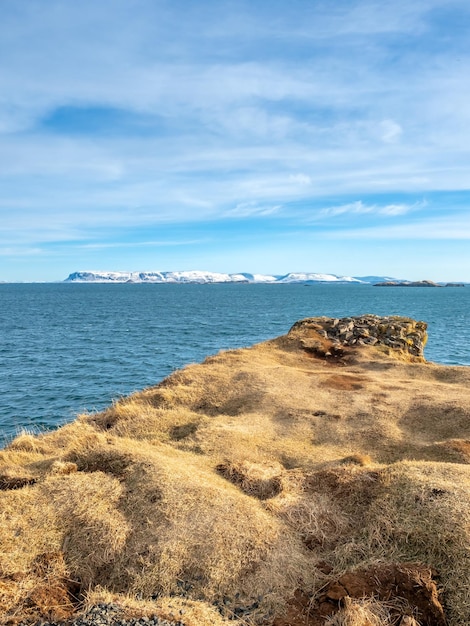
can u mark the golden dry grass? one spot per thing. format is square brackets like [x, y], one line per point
[367, 612]
[240, 482]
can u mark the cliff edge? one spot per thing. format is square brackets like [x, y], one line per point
[319, 478]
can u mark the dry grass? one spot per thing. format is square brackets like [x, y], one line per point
[367, 612]
[371, 612]
[239, 482]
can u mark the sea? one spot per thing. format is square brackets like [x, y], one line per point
[67, 348]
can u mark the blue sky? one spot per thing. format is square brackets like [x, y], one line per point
[241, 135]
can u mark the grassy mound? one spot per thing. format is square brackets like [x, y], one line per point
[271, 485]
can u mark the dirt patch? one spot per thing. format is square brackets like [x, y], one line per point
[342, 382]
[296, 613]
[408, 589]
[321, 347]
[55, 596]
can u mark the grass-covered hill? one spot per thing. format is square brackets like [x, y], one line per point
[322, 477]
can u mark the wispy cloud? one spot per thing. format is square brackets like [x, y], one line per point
[252, 209]
[360, 208]
[20, 251]
[141, 244]
[454, 227]
[391, 131]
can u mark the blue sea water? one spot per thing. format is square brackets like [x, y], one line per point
[70, 348]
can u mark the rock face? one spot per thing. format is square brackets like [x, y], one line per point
[327, 336]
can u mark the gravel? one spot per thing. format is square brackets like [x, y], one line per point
[110, 615]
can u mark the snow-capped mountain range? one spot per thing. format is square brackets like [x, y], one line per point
[197, 276]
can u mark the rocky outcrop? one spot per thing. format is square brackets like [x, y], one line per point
[416, 283]
[328, 336]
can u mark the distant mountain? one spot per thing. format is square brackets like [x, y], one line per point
[260, 278]
[378, 279]
[194, 276]
[197, 276]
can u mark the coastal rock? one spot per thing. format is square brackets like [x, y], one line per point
[327, 337]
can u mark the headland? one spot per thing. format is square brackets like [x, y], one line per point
[318, 478]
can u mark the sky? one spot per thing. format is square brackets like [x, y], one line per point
[235, 136]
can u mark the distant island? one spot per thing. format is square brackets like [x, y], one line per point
[204, 277]
[416, 283]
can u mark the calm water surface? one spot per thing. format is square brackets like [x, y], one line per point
[69, 348]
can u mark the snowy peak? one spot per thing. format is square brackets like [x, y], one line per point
[191, 276]
[316, 278]
[202, 277]
[259, 278]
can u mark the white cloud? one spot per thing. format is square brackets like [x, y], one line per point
[359, 208]
[390, 131]
[252, 209]
[396, 209]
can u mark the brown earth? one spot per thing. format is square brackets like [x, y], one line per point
[278, 485]
[412, 583]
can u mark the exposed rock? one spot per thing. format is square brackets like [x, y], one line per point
[327, 337]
